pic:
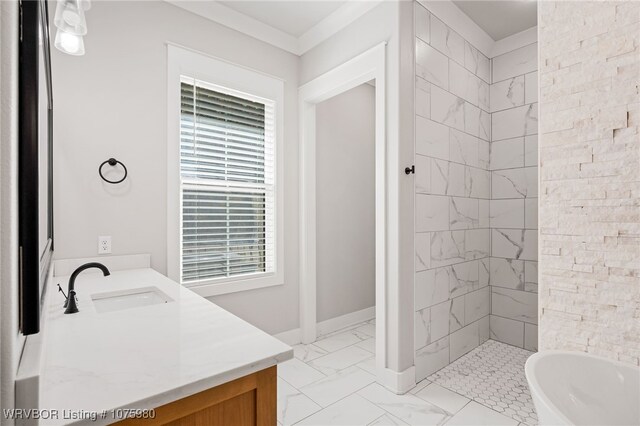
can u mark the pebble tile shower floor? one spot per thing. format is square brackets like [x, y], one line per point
[492, 375]
[332, 382]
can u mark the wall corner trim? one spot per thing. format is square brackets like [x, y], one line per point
[398, 382]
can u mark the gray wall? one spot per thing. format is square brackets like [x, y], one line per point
[118, 88]
[111, 102]
[345, 197]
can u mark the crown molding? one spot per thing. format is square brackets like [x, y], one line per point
[223, 15]
[334, 22]
[445, 10]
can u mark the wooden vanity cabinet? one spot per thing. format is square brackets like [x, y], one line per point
[248, 401]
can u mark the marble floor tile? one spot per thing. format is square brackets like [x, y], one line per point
[443, 397]
[479, 415]
[337, 386]
[348, 329]
[490, 376]
[369, 329]
[421, 385]
[368, 365]
[307, 353]
[334, 342]
[297, 373]
[368, 345]
[339, 360]
[352, 410]
[408, 408]
[387, 420]
[293, 405]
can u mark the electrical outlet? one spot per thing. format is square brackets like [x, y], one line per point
[104, 245]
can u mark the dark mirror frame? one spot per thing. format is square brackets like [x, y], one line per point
[34, 260]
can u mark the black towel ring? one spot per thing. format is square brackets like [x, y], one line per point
[112, 162]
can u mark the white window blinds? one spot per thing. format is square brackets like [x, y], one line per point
[227, 143]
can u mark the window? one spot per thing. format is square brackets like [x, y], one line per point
[229, 235]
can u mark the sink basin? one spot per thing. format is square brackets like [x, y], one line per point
[128, 299]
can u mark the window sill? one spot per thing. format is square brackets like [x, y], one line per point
[216, 289]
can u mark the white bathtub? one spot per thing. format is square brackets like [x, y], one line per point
[574, 388]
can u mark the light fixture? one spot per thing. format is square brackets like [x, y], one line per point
[69, 43]
[72, 26]
[70, 17]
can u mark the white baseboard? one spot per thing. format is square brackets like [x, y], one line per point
[294, 337]
[337, 323]
[396, 382]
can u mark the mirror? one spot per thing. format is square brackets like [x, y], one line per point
[35, 152]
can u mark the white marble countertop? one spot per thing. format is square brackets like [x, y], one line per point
[141, 357]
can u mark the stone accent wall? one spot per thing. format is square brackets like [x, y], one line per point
[590, 178]
[452, 185]
[513, 212]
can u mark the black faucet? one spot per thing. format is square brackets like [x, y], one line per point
[70, 304]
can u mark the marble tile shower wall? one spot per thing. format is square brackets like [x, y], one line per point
[513, 209]
[452, 199]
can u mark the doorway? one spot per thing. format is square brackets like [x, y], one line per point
[345, 209]
[367, 67]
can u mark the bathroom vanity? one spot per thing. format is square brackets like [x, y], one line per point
[249, 400]
[143, 346]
